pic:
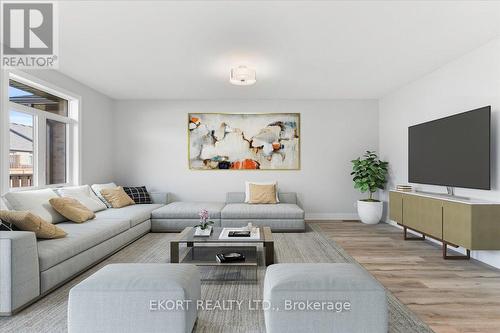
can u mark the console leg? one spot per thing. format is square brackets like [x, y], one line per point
[405, 235]
[454, 257]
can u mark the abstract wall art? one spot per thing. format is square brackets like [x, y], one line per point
[267, 141]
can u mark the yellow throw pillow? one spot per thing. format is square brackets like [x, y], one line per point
[262, 194]
[72, 209]
[117, 197]
[27, 221]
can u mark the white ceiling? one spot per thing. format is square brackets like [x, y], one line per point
[300, 49]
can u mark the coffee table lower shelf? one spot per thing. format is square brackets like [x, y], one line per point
[204, 256]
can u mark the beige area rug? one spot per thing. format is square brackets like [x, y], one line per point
[49, 313]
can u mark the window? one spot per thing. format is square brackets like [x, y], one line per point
[42, 136]
[25, 95]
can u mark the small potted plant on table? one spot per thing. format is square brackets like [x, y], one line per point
[369, 175]
[205, 226]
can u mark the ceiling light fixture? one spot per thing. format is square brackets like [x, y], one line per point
[242, 76]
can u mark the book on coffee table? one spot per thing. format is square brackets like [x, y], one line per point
[229, 257]
[240, 233]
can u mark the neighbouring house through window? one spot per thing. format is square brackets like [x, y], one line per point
[21, 149]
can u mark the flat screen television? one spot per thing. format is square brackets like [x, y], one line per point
[452, 151]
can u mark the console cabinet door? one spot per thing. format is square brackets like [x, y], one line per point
[396, 207]
[423, 214]
[457, 218]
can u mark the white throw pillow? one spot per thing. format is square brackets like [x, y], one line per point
[83, 194]
[97, 190]
[247, 189]
[36, 202]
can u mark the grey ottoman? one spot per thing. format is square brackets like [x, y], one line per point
[136, 298]
[178, 215]
[323, 298]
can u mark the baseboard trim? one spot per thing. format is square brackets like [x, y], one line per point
[331, 216]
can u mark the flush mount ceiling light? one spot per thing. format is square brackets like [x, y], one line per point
[242, 76]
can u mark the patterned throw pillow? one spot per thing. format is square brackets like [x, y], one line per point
[139, 194]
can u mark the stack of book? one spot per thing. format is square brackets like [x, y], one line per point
[229, 257]
[404, 188]
[239, 233]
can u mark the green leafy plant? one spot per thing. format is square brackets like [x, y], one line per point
[204, 225]
[369, 174]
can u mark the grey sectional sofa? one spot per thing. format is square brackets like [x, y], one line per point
[31, 268]
[287, 215]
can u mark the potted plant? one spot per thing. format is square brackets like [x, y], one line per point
[369, 175]
[205, 226]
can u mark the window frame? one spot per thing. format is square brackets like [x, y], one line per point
[73, 132]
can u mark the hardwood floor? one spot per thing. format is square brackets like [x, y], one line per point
[450, 296]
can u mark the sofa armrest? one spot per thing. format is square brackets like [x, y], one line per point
[19, 270]
[159, 197]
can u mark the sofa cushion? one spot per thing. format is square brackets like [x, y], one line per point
[177, 225]
[36, 202]
[284, 197]
[83, 194]
[276, 225]
[262, 211]
[80, 237]
[188, 210]
[135, 214]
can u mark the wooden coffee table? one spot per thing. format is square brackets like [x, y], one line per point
[210, 246]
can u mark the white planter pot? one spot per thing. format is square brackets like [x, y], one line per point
[370, 212]
[200, 232]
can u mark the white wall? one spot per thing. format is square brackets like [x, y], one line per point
[96, 123]
[467, 83]
[151, 149]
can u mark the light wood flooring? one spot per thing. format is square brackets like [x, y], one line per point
[450, 296]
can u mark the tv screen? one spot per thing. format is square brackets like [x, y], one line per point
[452, 151]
